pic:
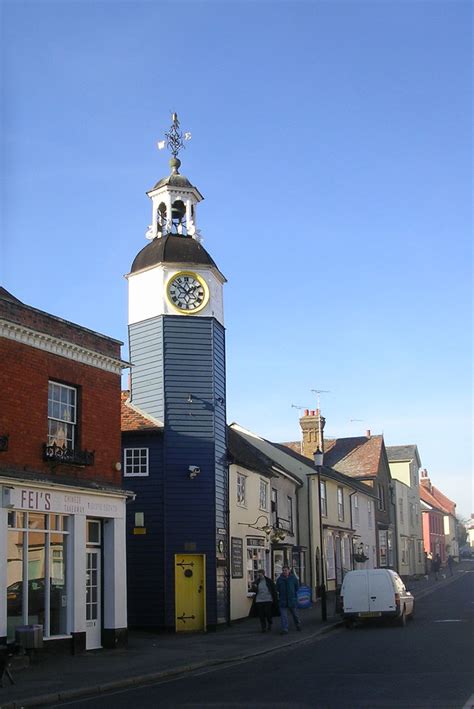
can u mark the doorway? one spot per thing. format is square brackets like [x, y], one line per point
[190, 592]
[93, 586]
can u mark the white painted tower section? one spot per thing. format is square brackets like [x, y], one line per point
[147, 292]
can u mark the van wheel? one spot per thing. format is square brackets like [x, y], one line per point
[349, 624]
[402, 621]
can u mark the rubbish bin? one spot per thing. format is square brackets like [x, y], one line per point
[30, 637]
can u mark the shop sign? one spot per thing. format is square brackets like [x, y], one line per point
[255, 542]
[36, 500]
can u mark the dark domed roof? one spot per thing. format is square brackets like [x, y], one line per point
[174, 180]
[172, 249]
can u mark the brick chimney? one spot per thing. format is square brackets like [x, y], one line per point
[424, 479]
[312, 428]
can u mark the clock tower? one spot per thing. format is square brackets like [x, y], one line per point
[177, 351]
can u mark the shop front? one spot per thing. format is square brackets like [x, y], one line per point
[65, 569]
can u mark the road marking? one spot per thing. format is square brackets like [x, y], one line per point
[454, 620]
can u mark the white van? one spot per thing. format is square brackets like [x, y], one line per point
[375, 593]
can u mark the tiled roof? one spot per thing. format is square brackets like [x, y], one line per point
[396, 453]
[244, 453]
[294, 446]
[440, 500]
[133, 419]
[427, 497]
[266, 448]
[357, 457]
[447, 504]
[326, 471]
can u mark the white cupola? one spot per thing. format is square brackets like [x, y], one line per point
[174, 198]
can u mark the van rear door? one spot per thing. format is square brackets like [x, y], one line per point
[381, 592]
[356, 592]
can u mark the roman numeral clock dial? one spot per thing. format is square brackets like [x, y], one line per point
[187, 292]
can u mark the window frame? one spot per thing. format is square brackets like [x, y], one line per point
[323, 498]
[340, 503]
[263, 498]
[55, 529]
[356, 509]
[139, 450]
[381, 496]
[274, 505]
[289, 502]
[73, 424]
[256, 558]
[241, 490]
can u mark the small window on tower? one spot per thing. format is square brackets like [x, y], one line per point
[135, 462]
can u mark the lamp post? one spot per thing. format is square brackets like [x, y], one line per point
[318, 461]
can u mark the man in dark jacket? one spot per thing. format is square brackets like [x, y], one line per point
[287, 587]
[265, 600]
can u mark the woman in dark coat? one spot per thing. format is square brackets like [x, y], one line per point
[265, 603]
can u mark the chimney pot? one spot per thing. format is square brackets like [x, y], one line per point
[311, 413]
[367, 433]
[306, 412]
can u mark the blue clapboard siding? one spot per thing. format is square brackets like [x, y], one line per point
[184, 357]
[194, 365]
[220, 462]
[146, 348]
[145, 590]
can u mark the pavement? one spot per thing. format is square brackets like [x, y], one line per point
[151, 657]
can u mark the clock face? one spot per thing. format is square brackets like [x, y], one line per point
[187, 292]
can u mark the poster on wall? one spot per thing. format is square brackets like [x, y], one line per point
[236, 558]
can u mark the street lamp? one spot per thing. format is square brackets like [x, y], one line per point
[318, 462]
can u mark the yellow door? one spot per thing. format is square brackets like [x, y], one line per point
[190, 592]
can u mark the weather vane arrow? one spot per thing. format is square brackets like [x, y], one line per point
[174, 138]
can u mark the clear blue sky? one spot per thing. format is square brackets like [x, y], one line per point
[332, 142]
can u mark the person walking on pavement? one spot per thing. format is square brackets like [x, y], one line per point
[436, 565]
[450, 564]
[265, 602]
[287, 587]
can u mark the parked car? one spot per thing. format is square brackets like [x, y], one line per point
[375, 593]
[466, 552]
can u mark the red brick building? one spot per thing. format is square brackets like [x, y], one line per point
[62, 513]
[439, 520]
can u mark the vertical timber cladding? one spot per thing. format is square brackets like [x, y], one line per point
[145, 568]
[221, 467]
[195, 434]
[146, 346]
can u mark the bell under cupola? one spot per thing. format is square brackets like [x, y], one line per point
[174, 198]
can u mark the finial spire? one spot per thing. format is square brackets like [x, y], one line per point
[174, 141]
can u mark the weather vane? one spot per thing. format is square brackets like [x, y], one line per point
[174, 138]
